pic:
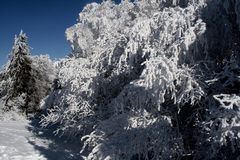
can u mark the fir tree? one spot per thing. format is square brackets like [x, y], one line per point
[20, 74]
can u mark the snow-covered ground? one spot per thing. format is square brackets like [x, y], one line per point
[20, 141]
[15, 142]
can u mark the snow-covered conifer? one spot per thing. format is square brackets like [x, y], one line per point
[25, 80]
[19, 73]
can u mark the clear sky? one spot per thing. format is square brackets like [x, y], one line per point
[44, 21]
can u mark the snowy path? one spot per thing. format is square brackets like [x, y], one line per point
[14, 142]
[18, 143]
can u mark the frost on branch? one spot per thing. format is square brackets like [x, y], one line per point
[70, 102]
[129, 61]
[138, 81]
[221, 128]
[134, 136]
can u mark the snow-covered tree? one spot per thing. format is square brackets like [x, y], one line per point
[151, 79]
[19, 72]
[25, 80]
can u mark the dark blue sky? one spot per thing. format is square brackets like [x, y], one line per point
[44, 21]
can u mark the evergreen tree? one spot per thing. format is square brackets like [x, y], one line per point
[20, 74]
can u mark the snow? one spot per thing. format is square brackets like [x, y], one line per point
[14, 142]
[20, 141]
